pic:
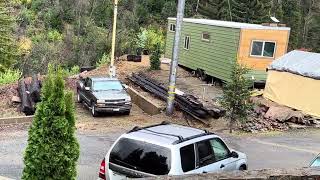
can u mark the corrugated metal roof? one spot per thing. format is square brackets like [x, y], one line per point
[299, 62]
[231, 24]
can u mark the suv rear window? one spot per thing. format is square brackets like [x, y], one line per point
[141, 156]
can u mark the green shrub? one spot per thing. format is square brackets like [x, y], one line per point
[236, 94]
[27, 16]
[54, 35]
[69, 72]
[105, 60]
[155, 62]
[53, 150]
[9, 76]
[150, 38]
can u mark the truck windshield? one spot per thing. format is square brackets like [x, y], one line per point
[141, 156]
[107, 85]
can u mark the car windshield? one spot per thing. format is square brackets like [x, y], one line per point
[107, 85]
[141, 156]
[316, 162]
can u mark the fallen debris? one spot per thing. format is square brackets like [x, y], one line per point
[269, 116]
[186, 102]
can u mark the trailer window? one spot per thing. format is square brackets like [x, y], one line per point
[187, 42]
[263, 48]
[172, 27]
[205, 36]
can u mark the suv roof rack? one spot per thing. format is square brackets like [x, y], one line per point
[180, 138]
[137, 128]
[206, 132]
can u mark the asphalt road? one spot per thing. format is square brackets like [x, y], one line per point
[284, 150]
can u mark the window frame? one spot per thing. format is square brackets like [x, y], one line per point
[225, 146]
[263, 45]
[171, 29]
[195, 157]
[197, 154]
[184, 42]
[206, 40]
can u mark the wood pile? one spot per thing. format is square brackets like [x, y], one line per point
[188, 103]
[269, 116]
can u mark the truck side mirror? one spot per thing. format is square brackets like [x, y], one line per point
[125, 86]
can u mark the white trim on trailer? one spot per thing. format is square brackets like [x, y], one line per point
[230, 24]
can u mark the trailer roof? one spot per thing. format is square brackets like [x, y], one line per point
[230, 24]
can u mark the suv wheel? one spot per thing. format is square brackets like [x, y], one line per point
[79, 100]
[93, 110]
[242, 168]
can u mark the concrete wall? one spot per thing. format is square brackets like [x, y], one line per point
[144, 103]
[15, 120]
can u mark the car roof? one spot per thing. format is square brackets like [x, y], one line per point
[103, 78]
[165, 135]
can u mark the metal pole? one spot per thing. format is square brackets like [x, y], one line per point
[112, 68]
[174, 62]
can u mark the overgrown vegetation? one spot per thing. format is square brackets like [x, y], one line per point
[52, 150]
[8, 48]
[155, 62]
[236, 94]
[105, 60]
[9, 76]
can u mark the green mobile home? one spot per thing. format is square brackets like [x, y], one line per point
[211, 46]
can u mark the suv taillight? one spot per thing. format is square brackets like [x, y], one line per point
[102, 172]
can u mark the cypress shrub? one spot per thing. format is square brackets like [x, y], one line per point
[53, 149]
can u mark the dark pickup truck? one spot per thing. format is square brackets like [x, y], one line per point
[103, 94]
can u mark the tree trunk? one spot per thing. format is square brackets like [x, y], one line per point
[232, 120]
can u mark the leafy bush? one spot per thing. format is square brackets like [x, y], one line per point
[150, 38]
[69, 72]
[9, 76]
[27, 16]
[155, 62]
[54, 35]
[53, 150]
[104, 60]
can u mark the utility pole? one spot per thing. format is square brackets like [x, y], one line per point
[174, 62]
[112, 68]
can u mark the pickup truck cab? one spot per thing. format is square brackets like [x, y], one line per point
[103, 94]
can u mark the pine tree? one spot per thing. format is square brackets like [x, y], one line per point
[214, 9]
[251, 11]
[155, 62]
[292, 17]
[52, 150]
[236, 95]
[276, 10]
[8, 47]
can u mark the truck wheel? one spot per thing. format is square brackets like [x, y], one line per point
[94, 113]
[127, 113]
[79, 100]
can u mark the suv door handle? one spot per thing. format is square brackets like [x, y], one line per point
[222, 166]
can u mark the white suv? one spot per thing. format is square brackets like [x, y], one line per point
[168, 149]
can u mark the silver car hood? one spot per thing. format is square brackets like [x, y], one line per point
[111, 95]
